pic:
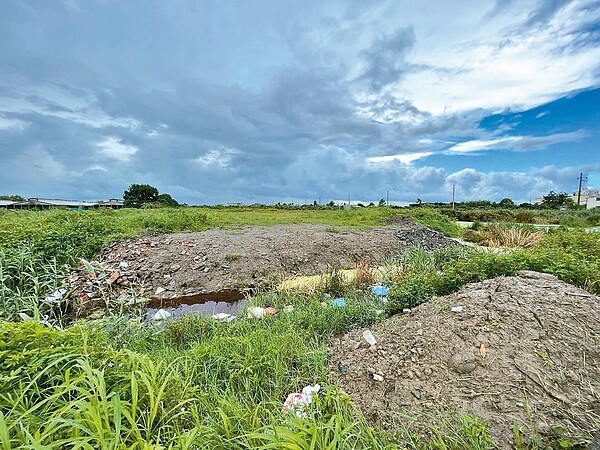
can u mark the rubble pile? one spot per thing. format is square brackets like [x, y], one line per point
[126, 272]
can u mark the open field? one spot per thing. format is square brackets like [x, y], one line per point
[117, 382]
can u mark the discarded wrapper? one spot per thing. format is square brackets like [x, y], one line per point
[161, 314]
[369, 337]
[338, 302]
[380, 290]
[456, 309]
[297, 403]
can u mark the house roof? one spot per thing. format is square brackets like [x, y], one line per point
[6, 202]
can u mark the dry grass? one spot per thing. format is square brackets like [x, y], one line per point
[513, 237]
[365, 274]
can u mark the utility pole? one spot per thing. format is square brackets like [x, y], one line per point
[387, 198]
[349, 200]
[581, 179]
[453, 188]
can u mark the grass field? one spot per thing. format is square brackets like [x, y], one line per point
[115, 383]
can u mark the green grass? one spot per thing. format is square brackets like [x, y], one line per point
[115, 383]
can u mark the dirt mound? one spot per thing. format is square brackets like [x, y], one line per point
[522, 350]
[173, 265]
[428, 239]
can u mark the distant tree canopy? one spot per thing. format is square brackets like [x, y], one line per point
[166, 200]
[506, 203]
[139, 195]
[556, 200]
[12, 198]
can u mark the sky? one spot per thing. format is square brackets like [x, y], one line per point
[299, 101]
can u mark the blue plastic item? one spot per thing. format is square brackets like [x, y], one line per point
[380, 291]
[338, 303]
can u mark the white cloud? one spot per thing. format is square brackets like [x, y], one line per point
[220, 157]
[405, 158]
[479, 144]
[542, 114]
[499, 65]
[517, 143]
[12, 124]
[114, 148]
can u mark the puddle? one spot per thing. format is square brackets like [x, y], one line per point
[225, 301]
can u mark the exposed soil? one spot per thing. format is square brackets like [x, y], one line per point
[173, 265]
[525, 343]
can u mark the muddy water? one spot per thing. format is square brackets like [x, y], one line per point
[225, 301]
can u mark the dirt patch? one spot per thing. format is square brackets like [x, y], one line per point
[522, 350]
[173, 265]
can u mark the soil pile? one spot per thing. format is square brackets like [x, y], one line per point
[174, 265]
[428, 239]
[522, 350]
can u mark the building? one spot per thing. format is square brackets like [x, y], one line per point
[592, 202]
[112, 203]
[47, 203]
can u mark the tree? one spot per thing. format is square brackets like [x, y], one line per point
[556, 200]
[166, 200]
[506, 203]
[138, 194]
[381, 203]
[12, 198]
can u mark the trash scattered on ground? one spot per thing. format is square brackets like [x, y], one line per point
[56, 296]
[296, 403]
[406, 311]
[381, 290]
[369, 337]
[456, 309]
[377, 377]
[338, 303]
[257, 312]
[223, 317]
[527, 353]
[270, 310]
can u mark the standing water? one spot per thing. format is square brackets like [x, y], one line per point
[226, 301]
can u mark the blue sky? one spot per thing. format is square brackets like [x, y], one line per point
[272, 100]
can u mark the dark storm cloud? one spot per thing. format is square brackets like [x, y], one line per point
[218, 102]
[386, 58]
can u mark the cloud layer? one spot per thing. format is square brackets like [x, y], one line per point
[286, 101]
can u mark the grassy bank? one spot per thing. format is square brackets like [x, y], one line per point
[115, 383]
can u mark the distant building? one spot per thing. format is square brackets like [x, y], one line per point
[112, 203]
[49, 203]
[592, 202]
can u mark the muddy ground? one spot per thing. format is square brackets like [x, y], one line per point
[524, 350]
[174, 265]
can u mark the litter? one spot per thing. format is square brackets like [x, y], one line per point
[380, 290]
[377, 377]
[297, 403]
[161, 314]
[221, 317]
[159, 290]
[288, 308]
[369, 337]
[270, 310]
[56, 295]
[406, 311]
[123, 265]
[338, 303]
[257, 312]
[456, 309]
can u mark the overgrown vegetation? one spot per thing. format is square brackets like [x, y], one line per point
[197, 383]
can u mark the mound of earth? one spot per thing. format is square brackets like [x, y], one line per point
[523, 350]
[173, 265]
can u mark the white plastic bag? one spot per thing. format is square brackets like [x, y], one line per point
[297, 403]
